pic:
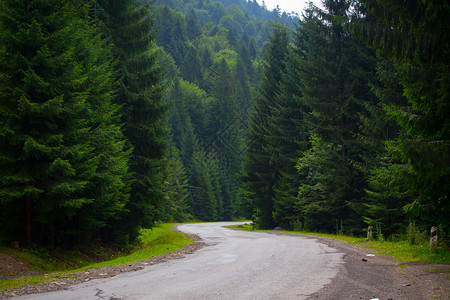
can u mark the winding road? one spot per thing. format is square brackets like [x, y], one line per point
[233, 265]
[266, 265]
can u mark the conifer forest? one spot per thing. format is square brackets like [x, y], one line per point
[117, 115]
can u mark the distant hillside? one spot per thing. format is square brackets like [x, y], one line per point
[212, 53]
[237, 16]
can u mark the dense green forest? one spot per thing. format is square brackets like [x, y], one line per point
[350, 125]
[117, 115]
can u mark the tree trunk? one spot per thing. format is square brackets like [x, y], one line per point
[28, 237]
[51, 233]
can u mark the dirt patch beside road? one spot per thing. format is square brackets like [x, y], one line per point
[11, 267]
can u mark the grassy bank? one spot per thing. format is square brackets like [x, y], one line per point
[402, 251]
[160, 240]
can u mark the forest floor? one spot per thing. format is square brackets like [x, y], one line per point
[11, 266]
[413, 280]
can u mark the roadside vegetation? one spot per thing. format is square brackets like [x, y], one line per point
[402, 249]
[160, 240]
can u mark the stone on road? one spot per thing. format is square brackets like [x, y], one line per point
[233, 265]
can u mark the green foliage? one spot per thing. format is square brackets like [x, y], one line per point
[288, 139]
[142, 108]
[333, 97]
[322, 191]
[259, 173]
[193, 25]
[399, 33]
[62, 158]
[172, 32]
[385, 202]
[175, 207]
[371, 139]
[202, 170]
[209, 104]
[203, 191]
[192, 68]
[414, 235]
[83, 124]
[223, 124]
[325, 135]
[385, 196]
[356, 163]
[227, 55]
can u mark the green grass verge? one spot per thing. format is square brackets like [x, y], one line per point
[401, 251]
[152, 242]
[34, 279]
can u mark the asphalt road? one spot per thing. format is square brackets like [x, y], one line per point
[233, 265]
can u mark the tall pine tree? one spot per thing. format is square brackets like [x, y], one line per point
[225, 133]
[335, 72]
[386, 196]
[289, 138]
[130, 27]
[259, 175]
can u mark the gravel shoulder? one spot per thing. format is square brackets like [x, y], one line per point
[371, 277]
[360, 277]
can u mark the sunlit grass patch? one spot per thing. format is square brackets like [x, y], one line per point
[157, 241]
[403, 251]
[32, 279]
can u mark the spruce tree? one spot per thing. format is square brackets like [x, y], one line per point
[243, 91]
[176, 207]
[109, 185]
[57, 125]
[386, 196]
[288, 139]
[172, 32]
[205, 202]
[192, 67]
[219, 185]
[335, 72]
[259, 174]
[189, 104]
[130, 26]
[243, 49]
[415, 36]
[193, 26]
[200, 182]
[224, 123]
[225, 136]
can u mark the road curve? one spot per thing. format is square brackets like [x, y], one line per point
[233, 265]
